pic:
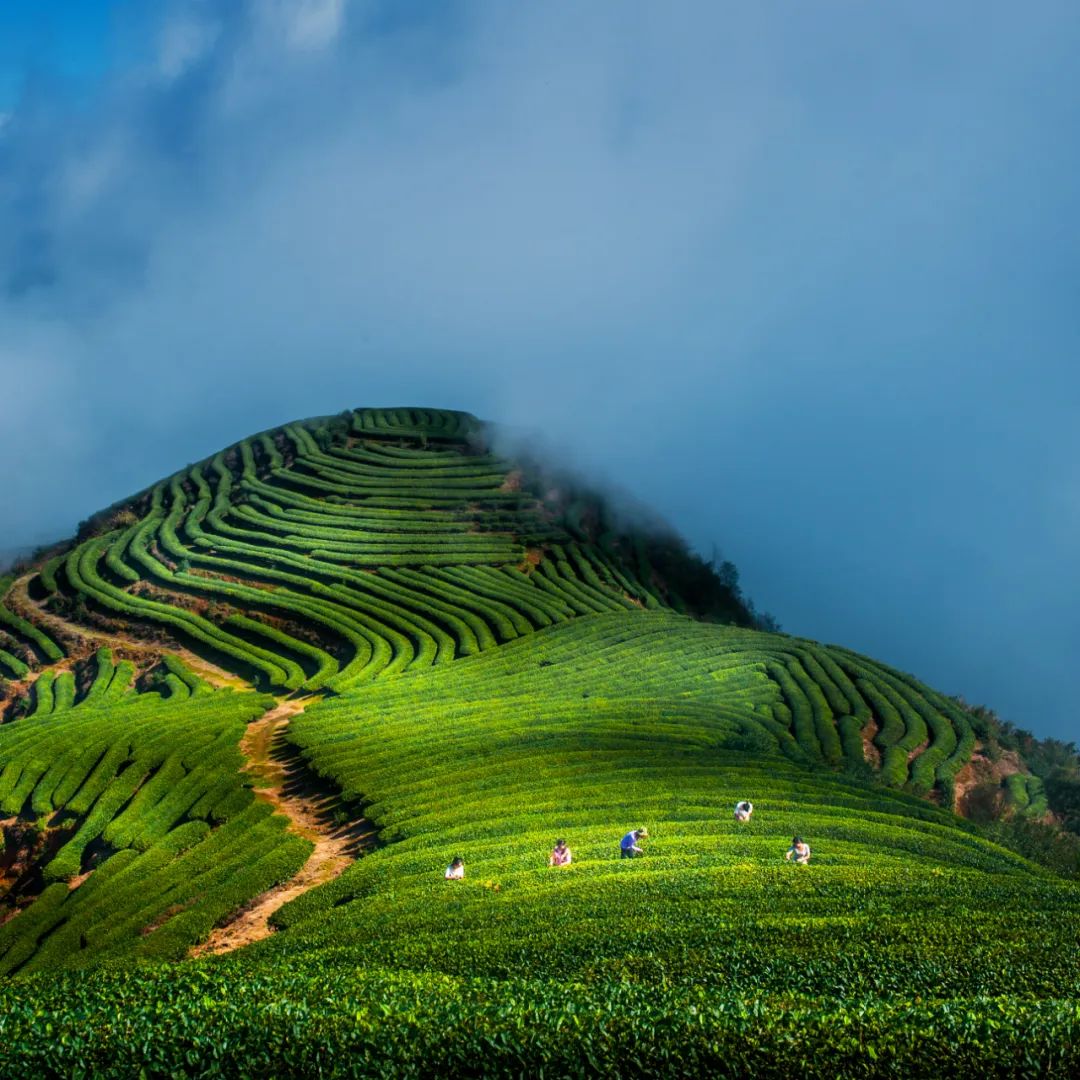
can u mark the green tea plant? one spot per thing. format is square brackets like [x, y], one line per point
[585, 730]
[24, 630]
[484, 671]
[147, 793]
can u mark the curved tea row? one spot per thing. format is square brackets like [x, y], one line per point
[145, 790]
[613, 722]
[318, 559]
[320, 556]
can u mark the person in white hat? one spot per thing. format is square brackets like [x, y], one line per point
[628, 845]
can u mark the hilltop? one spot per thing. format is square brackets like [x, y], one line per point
[329, 552]
[251, 713]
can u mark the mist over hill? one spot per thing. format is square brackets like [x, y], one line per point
[302, 721]
[280, 557]
[10, 556]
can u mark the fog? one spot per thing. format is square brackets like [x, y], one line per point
[800, 277]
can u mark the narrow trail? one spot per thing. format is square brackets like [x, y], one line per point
[24, 604]
[279, 777]
[285, 784]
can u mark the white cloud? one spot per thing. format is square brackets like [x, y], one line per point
[89, 174]
[719, 255]
[307, 24]
[184, 40]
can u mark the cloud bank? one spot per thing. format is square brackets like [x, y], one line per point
[800, 278]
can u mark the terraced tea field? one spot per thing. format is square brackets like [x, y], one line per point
[283, 688]
[263, 557]
[136, 803]
[609, 723]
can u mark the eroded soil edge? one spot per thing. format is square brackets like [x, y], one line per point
[281, 780]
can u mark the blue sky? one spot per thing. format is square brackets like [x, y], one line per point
[65, 39]
[802, 277]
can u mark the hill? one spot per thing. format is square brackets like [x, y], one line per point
[253, 712]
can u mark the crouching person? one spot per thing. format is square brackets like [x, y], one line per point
[799, 851]
[628, 846]
[560, 854]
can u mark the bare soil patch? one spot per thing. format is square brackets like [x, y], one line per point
[870, 752]
[981, 770]
[913, 754]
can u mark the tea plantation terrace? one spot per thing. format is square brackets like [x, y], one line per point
[140, 795]
[473, 660]
[402, 544]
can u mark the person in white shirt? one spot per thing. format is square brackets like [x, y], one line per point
[560, 854]
[456, 870]
[743, 810]
[799, 851]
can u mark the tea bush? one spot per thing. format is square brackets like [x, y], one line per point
[489, 679]
[153, 786]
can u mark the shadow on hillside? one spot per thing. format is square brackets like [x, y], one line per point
[332, 815]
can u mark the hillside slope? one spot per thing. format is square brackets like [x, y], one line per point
[265, 702]
[584, 732]
[908, 942]
[325, 554]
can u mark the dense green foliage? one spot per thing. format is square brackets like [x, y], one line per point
[21, 632]
[239, 1018]
[146, 792]
[261, 557]
[487, 666]
[586, 731]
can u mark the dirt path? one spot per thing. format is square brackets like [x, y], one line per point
[870, 752]
[95, 638]
[284, 783]
[278, 778]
